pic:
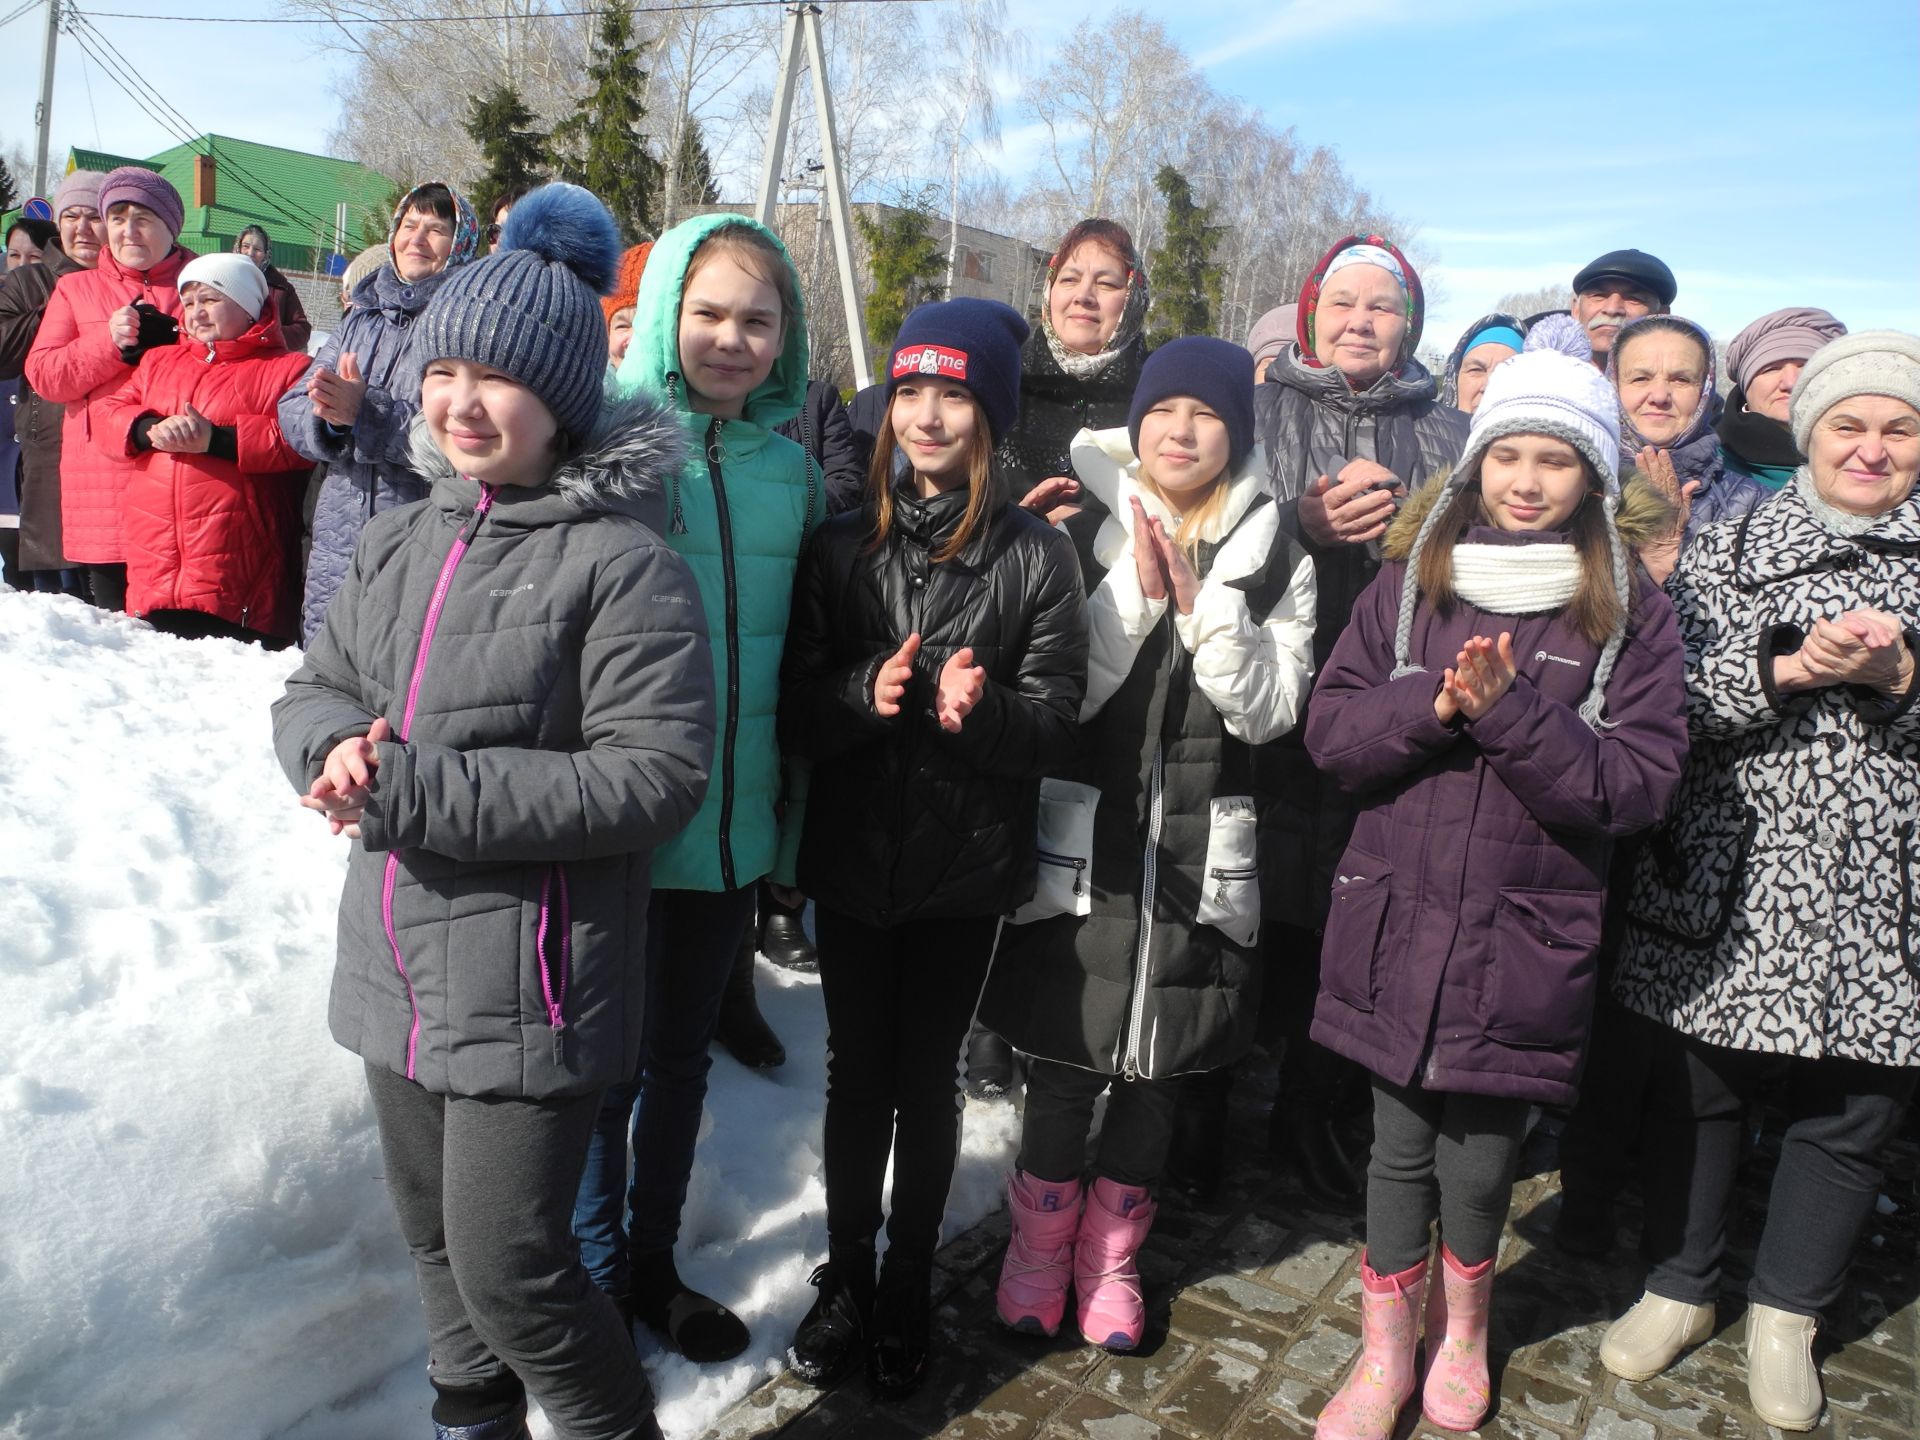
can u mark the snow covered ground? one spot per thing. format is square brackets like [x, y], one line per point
[194, 1238]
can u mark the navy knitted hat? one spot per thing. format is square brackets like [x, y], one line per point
[975, 343]
[1215, 371]
[532, 308]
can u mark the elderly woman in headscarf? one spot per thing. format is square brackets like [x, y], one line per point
[1350, 422]
[1664, 371]
[1483, 345]
[1773, 919]
[1764, 361]
[353, 408]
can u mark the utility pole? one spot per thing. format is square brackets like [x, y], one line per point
[803, 24]
[43, 112]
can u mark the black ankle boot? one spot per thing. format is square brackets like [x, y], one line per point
[693, 1325]
[783, 940]
[989, 1064]
[743, 1029]
[901, 1335]
[831, 1338]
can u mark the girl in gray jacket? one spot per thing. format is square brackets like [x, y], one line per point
[509, 706]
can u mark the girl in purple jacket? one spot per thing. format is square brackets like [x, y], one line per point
[1508, 699]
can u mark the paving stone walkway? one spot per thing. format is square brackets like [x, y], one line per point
[1253, 1319]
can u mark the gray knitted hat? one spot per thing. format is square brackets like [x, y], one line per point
[532, 308]
[1538, 392]
[1873, 362]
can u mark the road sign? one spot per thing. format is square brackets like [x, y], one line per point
[36, 209]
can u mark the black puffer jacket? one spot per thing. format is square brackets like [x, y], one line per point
[822, 430]
[1056, 406]
[904, 820]
[1310, 424]
[1162, 975]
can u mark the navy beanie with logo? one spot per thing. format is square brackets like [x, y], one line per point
[1215, 372]
[975, 343]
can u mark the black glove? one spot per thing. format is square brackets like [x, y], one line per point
[157, 328]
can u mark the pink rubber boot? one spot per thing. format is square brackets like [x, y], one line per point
[1457, 1389]
[1106, 1281]
[1039, 1264]
[1367, 1406]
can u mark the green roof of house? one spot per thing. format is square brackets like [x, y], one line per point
[294, 195]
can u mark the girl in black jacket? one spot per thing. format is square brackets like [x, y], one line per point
[934, 667]
[1142, 967]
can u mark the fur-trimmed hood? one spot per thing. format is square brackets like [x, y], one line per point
[1645, 515]
[634, 448]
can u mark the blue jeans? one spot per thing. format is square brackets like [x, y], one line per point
[692, 937]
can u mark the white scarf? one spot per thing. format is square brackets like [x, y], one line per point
[1516, 579]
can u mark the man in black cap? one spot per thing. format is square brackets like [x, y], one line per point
[1621, 285]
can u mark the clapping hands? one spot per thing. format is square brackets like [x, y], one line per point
[960, 685]
[1163, 566]
[1861, 647]
[1483, 672]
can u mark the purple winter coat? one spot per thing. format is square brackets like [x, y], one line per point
[1460, 949]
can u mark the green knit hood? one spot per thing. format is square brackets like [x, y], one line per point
[653, 355]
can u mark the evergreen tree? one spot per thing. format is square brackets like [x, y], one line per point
[9, 191]
[602, 145]
[1187, 283]
[377, 222]
[904, 260]
[697, 185]
[515, 153]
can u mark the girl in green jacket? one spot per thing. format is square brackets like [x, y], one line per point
[718, 329]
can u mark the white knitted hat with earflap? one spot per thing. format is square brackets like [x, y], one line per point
[1537, 392]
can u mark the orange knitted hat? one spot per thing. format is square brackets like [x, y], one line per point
[626, 286]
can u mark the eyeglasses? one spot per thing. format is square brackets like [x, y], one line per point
[493, 234]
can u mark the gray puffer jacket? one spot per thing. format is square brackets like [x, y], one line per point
[367, 466]
[542, 657]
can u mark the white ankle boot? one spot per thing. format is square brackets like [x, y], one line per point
[1782, 1381]
[1650, 1336]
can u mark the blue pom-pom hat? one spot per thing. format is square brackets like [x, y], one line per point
[532, 308]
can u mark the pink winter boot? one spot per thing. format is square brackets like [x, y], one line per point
[1457, 1389]
[1106, 1282]
[1039, 1264]
[1382, 1380]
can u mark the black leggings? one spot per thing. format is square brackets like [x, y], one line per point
[1134, 1135]
[1467, 1145]
[1840, 1114]
[899, 1000]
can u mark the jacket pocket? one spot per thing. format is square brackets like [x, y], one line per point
[1064, 849]
[1230, 889]
[1540, 984]
[1691, 873]
[553, 951]
[1355, 921]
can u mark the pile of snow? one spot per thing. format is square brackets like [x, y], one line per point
[196, 1239]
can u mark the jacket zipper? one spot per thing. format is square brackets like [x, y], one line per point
[1073, 862]
[733, 652]
[1222, 875]
[434, 606]
[1150, 884]
[554, 990]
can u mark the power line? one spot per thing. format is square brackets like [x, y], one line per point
[163, 113]
[15, 15]
[639, 10]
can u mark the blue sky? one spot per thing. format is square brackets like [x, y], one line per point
[1768, 151]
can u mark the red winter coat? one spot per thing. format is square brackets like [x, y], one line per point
[203, 533]
[73, 363]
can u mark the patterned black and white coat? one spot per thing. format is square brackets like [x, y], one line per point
[1776, 910]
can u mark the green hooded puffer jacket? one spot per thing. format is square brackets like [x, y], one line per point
[739, 512]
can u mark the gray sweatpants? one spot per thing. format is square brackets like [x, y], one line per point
[484, 1190]
[1466, 1145]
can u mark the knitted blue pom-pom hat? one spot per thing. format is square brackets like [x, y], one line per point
[532, 308]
